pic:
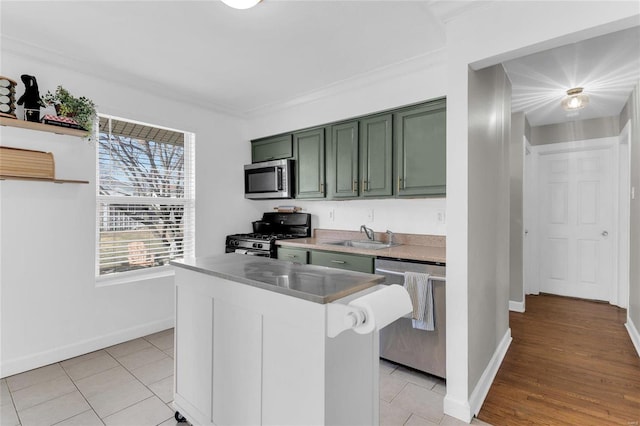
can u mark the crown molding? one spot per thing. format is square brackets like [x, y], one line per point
[124, 78]
[110, 74]
[446, 10]
[387, 72]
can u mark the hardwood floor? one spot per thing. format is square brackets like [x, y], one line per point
[571, 362]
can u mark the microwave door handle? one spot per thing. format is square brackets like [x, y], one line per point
[279, 178]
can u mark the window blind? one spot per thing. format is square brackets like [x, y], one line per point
[145, 196]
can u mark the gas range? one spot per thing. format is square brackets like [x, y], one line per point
[272, 227]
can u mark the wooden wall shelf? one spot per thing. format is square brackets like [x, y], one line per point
[13, 122]
[2, 177]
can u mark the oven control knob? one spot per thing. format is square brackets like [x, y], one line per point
[259, 245]
[236, 243]
[255, 245]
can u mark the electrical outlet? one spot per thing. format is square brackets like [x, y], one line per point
[370, 216]
[332, 215]
[441, 217]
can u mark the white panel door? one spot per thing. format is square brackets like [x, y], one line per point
[575, 215]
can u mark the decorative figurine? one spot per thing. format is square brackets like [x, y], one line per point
[30, 98]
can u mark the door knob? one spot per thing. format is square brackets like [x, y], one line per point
[605, 233]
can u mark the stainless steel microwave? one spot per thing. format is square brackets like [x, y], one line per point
[268, 180]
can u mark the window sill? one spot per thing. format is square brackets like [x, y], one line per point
[134, 276]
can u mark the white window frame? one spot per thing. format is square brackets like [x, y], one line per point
[188, 219]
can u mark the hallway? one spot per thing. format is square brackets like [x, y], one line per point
[571, 361]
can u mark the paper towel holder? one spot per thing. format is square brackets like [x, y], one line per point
[343, 317]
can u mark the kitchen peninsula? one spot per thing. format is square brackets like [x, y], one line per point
[253, 346]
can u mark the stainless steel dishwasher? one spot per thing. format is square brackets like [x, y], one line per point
[399, 341]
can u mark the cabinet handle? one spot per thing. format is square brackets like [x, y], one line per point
[338, 261]
[363, 186]
[322, 188]
[399, 179]
[354, 186]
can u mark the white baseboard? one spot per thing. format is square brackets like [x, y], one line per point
[29, 362]
[633, 333]
[461, 410]
[516, 306]
[484, 384]
[466, 410]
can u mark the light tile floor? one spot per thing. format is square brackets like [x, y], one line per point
[132, 384]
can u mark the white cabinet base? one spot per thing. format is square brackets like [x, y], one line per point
[248, 356]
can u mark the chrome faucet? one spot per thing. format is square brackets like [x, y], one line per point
[368, 231]
[389, 237]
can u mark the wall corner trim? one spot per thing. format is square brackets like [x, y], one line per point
[516, 306]
[633, 333]
[461, 410]
[22, 364]
[484, 384]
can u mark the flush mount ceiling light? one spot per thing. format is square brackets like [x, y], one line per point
[575, 99]
[241, 4]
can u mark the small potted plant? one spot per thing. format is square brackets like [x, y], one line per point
[81, 109]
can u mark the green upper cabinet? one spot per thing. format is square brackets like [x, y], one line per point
[397, 153]
[308, 149]
[272, 148]
[376, 161]
[342, 161]
[420, 153]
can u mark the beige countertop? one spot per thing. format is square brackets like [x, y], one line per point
[426, 248]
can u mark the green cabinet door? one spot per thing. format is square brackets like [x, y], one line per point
[272, 148]
[295, 255]
[421, 150]
[342, 161]
[309, 154]
[376, 161]
[350, 262]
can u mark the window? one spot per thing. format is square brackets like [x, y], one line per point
[145, 196]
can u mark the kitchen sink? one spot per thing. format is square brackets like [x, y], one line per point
[362, 244]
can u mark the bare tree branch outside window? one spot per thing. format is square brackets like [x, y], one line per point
[149, 229]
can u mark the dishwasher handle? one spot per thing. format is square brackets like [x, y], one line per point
[387, 271]
[390, 272]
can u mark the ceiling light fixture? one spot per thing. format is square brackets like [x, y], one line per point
[575, 99]
[241, 4]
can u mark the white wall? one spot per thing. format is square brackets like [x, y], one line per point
[633, 314]
[50, 307]
[516, 212]
[413, 216]
[385, 90]
[485, 36]
[488, 198]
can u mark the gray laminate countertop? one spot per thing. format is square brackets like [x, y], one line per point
[317, 284]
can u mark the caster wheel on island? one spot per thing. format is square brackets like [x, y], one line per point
[179, 417]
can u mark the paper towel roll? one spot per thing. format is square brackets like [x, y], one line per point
[382, 307]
